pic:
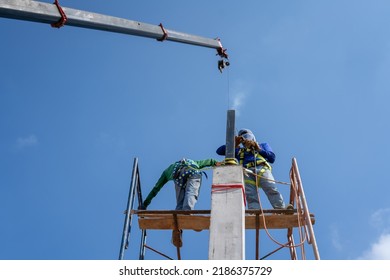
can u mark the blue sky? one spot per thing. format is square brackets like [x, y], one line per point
[77, 106]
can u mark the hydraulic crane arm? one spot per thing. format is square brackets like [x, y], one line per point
[53, 14]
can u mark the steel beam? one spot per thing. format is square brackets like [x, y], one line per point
[230, 129]
[48, 13]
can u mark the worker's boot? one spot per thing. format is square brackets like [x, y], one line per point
[291, 208]
[176, 237]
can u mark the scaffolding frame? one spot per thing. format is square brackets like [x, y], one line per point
[298, 220]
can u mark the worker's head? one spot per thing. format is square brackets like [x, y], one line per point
[247, 134]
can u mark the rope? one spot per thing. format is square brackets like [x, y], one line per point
[228, 88]
[224, 187]
[263, 216]
[272, 238]
[259, 176]
[299, 208]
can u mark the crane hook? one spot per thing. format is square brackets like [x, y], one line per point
[222, 64]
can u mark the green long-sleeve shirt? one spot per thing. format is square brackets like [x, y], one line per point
[169, 172]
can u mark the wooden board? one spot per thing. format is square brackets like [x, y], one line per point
[164, 220]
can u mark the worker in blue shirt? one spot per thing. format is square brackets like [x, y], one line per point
[258, 159]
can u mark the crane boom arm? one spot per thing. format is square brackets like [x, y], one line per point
[49, 13]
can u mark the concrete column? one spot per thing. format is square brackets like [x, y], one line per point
[227, 222]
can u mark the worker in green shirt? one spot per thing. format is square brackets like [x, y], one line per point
[187, 176]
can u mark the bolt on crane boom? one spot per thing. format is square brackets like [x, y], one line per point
[58, 16]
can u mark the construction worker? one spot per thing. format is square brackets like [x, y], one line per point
[257, 158]
[187, 176]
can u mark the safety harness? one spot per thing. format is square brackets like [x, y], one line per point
[183, 170]
[259, 160]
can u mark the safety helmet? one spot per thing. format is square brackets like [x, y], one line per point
[247, 134]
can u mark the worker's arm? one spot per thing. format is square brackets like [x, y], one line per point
[164, 178]
[267, 153]
[206, 163]
[237, 141]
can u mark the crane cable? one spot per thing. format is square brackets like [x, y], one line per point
[228, 88]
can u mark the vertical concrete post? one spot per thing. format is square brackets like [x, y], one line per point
[227, 222]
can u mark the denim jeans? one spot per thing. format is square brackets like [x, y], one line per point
[269, 188]
[187, 196]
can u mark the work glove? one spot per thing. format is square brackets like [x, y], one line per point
[141, 207]
[250, 144]
[238, 140]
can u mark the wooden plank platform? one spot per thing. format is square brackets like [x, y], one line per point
[200, 219]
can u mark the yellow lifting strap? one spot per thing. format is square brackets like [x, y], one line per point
[230, 161]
